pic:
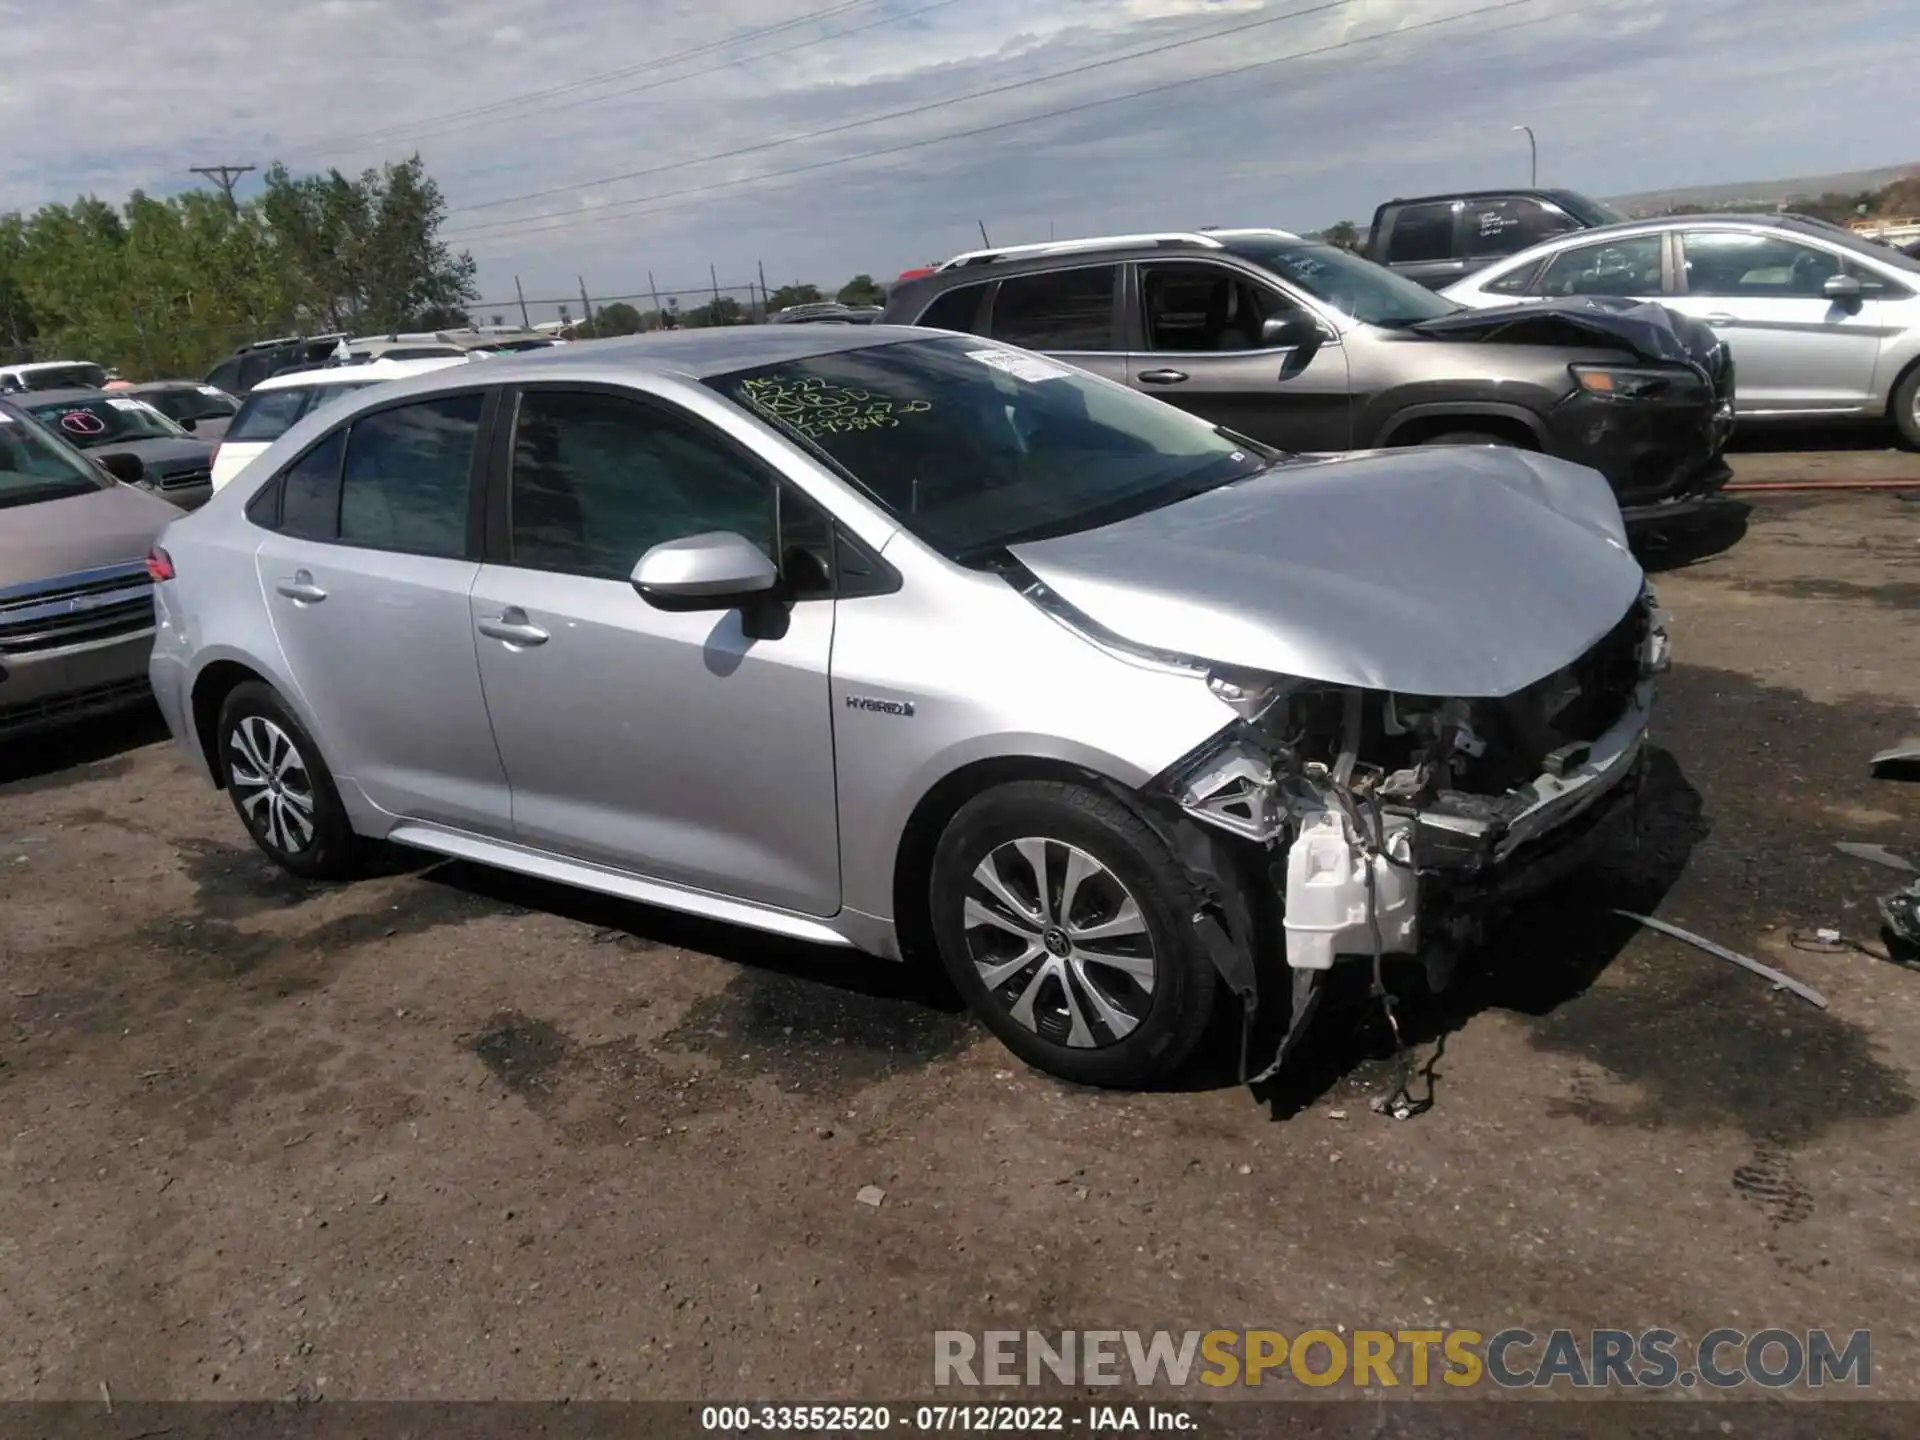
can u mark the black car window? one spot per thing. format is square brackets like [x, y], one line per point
[1198, 307]
[599, 480]
[958, 309]
[202, 402]
[1421, 232]
[405, 483]
[1739, 263]
[1058, 310]
[1629, 266]
[1509, 225]
[310, 491]
[1517, 281]
[34, 466]
[108, 420]
[268, 414]
[227, 376]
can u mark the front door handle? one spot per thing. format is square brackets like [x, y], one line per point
[301, 589]
[512, 626]
[1162, 377]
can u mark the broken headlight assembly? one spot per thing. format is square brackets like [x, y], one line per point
[1639, 382]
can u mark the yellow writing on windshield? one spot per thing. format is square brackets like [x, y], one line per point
[815, 407]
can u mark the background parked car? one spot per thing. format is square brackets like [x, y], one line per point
[175, 465]
[203, 410]
[76, 600]
[250, 364]
[280, 401]
[52, 375]
[1822, 324]
[1437, 239]
[1307, 347]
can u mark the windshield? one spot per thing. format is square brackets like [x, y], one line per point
[268, 414]
[974, 446]
[34, 466]
[107, 420]
[1360, 289]
[202, 402]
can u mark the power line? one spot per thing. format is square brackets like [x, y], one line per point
[1180, 43]
[653, 85]
[362, 139]
[605, 213]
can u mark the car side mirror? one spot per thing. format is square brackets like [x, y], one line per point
[124, 467]
[715, 571]
[1289, 332]
[1843, 288]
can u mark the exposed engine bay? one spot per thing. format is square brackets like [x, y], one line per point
[1391, 821]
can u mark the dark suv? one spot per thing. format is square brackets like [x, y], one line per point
[1306, 347]
[250, 364]
[1436, 239]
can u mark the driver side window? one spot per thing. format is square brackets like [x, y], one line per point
[598, 480]
[1192, 308]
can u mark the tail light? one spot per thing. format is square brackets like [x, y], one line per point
[159, 565]
[919, 272]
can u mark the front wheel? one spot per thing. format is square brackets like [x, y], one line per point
[1906, 409]
[281, 788]
[1066, 924]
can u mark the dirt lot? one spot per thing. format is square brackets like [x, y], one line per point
[443, 1133]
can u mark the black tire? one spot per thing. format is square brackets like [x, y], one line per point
[1470, 437]
[1074, 988]
[1906, 408]
[312, 840]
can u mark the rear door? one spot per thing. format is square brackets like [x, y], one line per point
[1073, 313]
[366, 573]
[667, 743]
[1794, 350]
[1199, 346]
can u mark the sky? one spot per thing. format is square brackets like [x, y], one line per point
[633, 144]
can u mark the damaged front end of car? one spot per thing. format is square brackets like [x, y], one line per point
[1396, 825]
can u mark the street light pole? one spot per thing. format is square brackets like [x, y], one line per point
[1533, 151]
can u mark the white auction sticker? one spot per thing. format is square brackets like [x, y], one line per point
[214, 390]
[134, 405]
[1021, 367]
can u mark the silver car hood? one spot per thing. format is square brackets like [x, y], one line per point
[1455, 572]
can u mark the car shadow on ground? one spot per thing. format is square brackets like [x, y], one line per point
[1773, 439]
[1700, 536]
[92, 745]
[1540, 956]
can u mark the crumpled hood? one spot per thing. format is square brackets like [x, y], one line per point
[1445, 571]
[83, 532]
[1648, 330]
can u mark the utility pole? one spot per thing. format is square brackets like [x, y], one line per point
[1533, 150]
[765, 302]
[225, 176]
[659, 310]
[714, 275]
[525, 323]
[586, 306]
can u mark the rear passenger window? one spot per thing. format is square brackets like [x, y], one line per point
[1518, 281]
[1506, 227]
[267, 415]
[1421, 232]
[310, 491]
[1613, 267]
[958, 309]
[1061, 310]
[408, 471]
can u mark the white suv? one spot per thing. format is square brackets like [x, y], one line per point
[274, 404]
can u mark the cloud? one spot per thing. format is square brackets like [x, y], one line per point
[1625, 95]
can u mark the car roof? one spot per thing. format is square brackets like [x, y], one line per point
[371, 371]
[34, 399]
[1764, 220]
[29, 366]
[143, 385]
[1488, 193]
[695, 354]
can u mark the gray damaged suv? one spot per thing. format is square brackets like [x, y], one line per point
[76, 599]
[1307, 347]
[916, 643]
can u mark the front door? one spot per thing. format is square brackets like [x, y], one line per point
[669, 744]
[1201, 349]
[1794, 350]
[1072, 313]
[366, 581]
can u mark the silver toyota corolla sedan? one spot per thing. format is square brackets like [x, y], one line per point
[1822, 324]
[911, 642]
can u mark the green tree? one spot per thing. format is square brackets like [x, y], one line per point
[1343, 234]
[724, 311]
[794, 295]
[619, 318]
[861, 290]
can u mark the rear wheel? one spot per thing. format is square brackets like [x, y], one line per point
[281, 788]
[1906, 408]
[1065, 923]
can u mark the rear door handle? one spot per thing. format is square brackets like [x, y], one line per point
[1161, 377]
[512, 626]
[301, 589]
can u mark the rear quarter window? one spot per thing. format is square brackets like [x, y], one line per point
[1419, 233]
[268, 414]
[958, 309]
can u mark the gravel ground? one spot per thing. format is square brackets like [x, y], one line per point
[444, 1133]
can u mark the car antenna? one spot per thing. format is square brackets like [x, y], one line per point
[983, 235]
